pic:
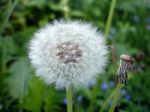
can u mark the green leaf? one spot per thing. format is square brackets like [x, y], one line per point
[38, 3]
[52, 99]
[40, 94]
[33, 101]
[20, 74]
[9, 45]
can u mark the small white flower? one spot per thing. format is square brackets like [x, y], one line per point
[68, 53]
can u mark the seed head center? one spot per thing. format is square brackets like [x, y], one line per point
[69, 52]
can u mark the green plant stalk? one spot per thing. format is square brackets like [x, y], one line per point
[107, 29]
[107, 101]
[69, 96]
[116, 97]
[112, 96]
[109, 19]
[69, 99]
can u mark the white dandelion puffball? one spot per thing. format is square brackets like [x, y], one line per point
[68, 53]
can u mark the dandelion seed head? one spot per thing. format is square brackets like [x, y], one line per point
[68, 53]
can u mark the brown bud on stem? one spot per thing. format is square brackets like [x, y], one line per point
[125, 63]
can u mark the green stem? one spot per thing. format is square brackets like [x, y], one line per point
[110, 16]
[119, 86]
[107, 101]
[69, 99]
[116, 97]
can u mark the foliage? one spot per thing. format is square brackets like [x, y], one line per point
[17, 82]
[20, 90]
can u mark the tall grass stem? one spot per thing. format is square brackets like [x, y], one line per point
[109, 19]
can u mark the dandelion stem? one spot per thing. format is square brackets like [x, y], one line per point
[107, 101]
[110, 16]
[69, 99]
[116, 97]
[113, 96]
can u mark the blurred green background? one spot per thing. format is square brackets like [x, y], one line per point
[21, 91]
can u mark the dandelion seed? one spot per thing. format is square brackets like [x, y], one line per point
[68, 53]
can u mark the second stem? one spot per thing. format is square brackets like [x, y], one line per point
[69, 99]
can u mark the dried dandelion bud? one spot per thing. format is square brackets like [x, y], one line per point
[125, 64]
